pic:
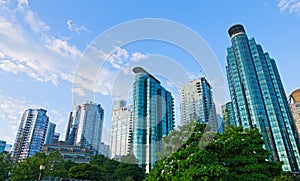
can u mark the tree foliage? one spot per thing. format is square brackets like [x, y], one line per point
[237, 154]
[5, 165]
[87, 171]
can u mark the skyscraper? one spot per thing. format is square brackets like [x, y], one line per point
[85, 125]
[31, 134]
[50, 133]
[295, 109]
[2, 145]
[121, 129]
[153, 117]
[228, 115]
[197, 103]
[258, 97]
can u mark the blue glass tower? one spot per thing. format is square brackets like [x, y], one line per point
[153, 118]
[258, 97]
[31, 134]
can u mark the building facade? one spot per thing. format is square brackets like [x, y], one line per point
[153, 118]
[258, 98]
[2, 146]
[295, 109]
[228, 115]
[121, 129]
[197, 103]
[85, 125]
[31, 134]
[50, 133]
[78, 154]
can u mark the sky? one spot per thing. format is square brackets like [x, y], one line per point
[43, 45]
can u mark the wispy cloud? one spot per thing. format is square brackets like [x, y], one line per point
[116, 61]
[28, 46]
[289, 6]
[73, 26]
[11, 110]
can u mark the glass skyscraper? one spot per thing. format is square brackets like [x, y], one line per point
[2, 145]
[50, 133]
[121, 129]
[228, 115]
[85, 125]
[197, 103]
[153, 117]
[31, 134]
[258, 97]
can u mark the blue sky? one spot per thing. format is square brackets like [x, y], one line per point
[41, 43]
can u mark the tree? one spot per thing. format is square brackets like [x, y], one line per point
[28, 169]
[242, 152]
[128, 170]
[235, 155]
[55, 165]
[6, 164]
[109, 165]
[87, 171]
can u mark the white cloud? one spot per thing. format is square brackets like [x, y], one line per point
[116, 58]
[35, 23]
[33, 49]
[137, 56]
[22, 4]
[11, 110]
[73, 26]
[289, 6]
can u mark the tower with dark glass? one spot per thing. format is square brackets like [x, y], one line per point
[258, 97]
[153, 118]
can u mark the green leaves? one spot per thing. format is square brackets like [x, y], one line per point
[237, 154]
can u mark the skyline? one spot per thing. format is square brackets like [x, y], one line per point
[38, 72]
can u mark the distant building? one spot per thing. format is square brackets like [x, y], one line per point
[258, 98]
[78, 154]
[153, 117]
[85, 125]
[50, 133]
[2, 146]
[104, 150]
[8, 148]
[197, 103]
[228, 115]
[31, 134]
[121, 129]
[56, 137]
[295, 109]
[220, 125]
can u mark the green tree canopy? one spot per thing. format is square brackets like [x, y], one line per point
[28, 169]
[6, 164]
[237, 154]
[87, 171]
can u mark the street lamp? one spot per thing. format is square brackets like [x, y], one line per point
[42, 167]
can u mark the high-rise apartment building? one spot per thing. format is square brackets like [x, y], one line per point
[197, 103]
[153, 117]
[228, 115]
[121, 129]
[85, 125]
[31, 134]
[258, 98]
[295, 109]
[50, 133]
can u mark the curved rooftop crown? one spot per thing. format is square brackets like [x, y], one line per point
[137, 70]
[295, 95]
[236, 29]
